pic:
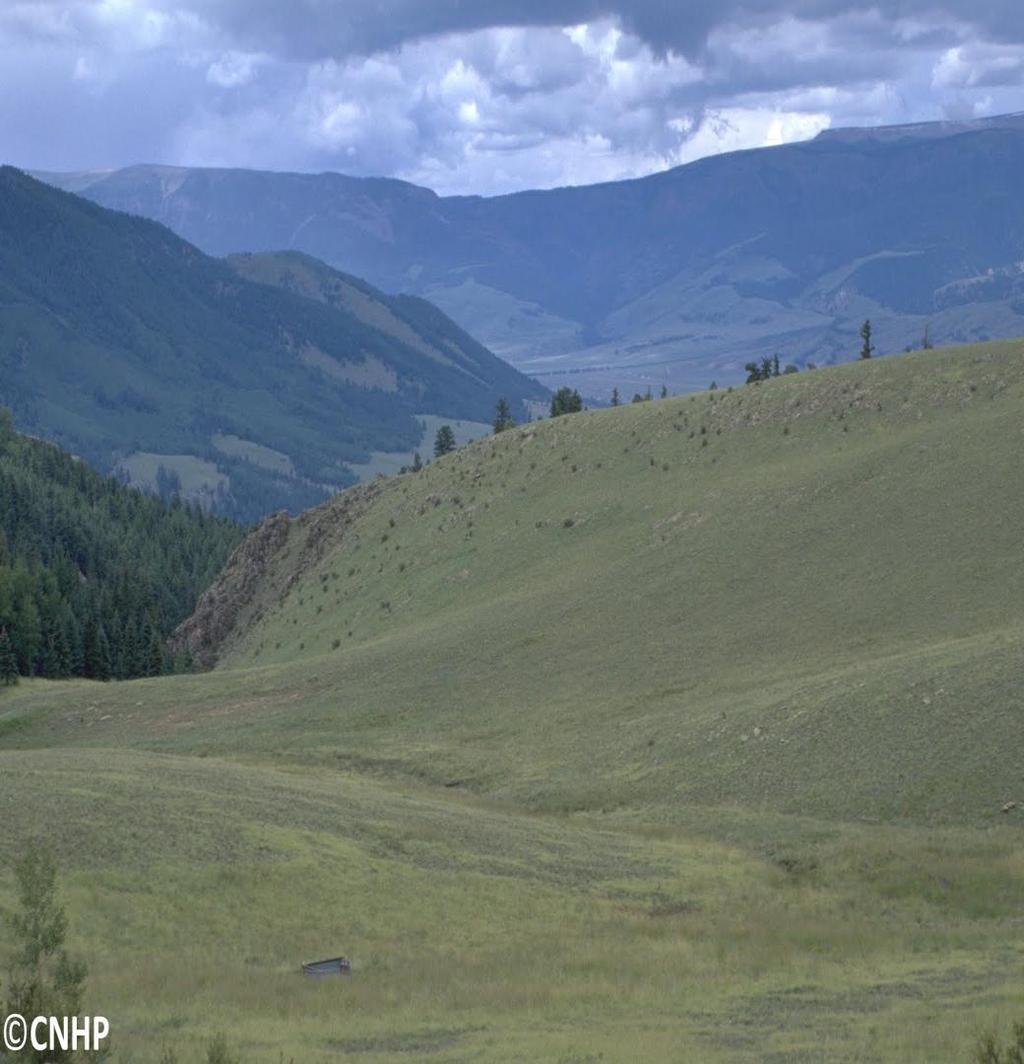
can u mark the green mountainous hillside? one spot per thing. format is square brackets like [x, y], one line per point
[129, 347]
[679, 277]
[753, 595]
[93, 575]
[681, 731]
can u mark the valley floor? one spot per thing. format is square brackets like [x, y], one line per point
[197, 884]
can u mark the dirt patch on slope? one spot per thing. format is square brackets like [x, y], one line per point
[265, 565]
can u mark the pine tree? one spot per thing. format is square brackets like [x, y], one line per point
[664, 391]
[56, 656]
[183, 661]
[417, 462]
[763, 370]
[926, 340]
[867, 349]
[566, 401]
[444, 441]
[95, 652]
[45, 980]
[153, 663]
[6, 429]
[615, 397]
[503, 417]
[8, 662]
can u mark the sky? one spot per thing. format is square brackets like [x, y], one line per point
[483, 96]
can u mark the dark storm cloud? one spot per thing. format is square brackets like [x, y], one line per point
[318, 28]
[482, 95]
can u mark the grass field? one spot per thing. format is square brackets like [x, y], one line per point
[676, 732]
[388, 463]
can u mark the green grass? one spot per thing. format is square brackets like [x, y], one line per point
[199, 479]
[264, 457]
[726, 728]
[388, 463]
[197, 886]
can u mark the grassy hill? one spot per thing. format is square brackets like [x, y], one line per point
[680, 731]
[131, 348]
[674, 593]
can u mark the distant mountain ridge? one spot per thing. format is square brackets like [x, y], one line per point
[130, 347]
[922, 130]
[680, 276]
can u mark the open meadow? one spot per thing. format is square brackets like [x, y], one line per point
[683, 731]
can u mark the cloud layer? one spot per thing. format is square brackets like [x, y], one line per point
[488, 96]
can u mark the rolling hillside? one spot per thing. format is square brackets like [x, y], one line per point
[802, 594]
[678, 277]
[686, 730]
[129, 347]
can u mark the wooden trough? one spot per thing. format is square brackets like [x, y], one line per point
[333, 966]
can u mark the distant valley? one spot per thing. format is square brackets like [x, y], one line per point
[247, 385]
[677, 278]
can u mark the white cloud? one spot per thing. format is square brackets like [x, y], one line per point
[501, 107]
[737, 128]
[971, 65]
[234, 69]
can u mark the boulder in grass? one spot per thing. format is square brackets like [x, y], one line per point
[333, 966]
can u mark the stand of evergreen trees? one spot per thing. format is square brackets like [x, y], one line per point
[94, 575]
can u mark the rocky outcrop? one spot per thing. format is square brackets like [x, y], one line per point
[219, 609]
[258, 571]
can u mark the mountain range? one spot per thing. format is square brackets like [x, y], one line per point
[250, 384]
[679, 277]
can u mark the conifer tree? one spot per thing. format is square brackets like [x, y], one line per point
[615, 397]
[183, 661]
[503, 417]
[566, 401]
[867, 348]
[45, 981]
[95, 652]
[664, 391]
[153, 662]
[417, 462]
[8, 662]
[444, 441]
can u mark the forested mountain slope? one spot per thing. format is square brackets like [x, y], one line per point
[131, 348]
[94, 575]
